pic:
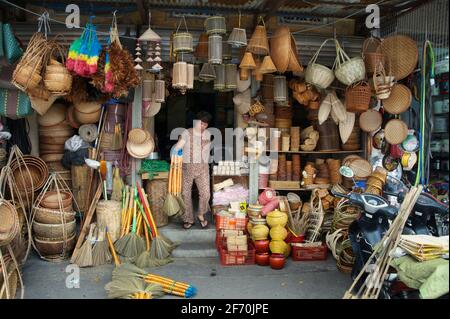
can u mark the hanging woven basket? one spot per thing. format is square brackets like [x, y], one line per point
[372, 54]
[318, 74]
[357, 97]
[215, 49]
[348, 71]
[183, 41]
[259, 44]
[215, 25]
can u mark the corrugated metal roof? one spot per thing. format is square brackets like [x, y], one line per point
[307, 45]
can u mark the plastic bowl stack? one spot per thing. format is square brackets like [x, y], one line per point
[54, 225]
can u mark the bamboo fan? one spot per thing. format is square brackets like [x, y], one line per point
[258, 43]
[215, 25]
[215, 49]
[279, 88]
[238, 36]
[160, 91]
[267, 65]
[182, 41]
[230, 76]
[179, 79]
[219, 82]
[190, 76]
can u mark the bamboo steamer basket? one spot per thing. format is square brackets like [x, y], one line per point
[56, 114]
[54, 216]
[258, 43]
[9, 222]
[54, 231]
[399, 100]
[401, 54]
[55, 249]
[51, 199]
[109, 213]
[395, 131]
[317, 74]
[370, 121]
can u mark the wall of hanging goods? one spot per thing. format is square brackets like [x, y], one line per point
[333, 114]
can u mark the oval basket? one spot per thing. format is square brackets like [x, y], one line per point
[370, 121]
[399, 100]
[54, 231]
[395, 131]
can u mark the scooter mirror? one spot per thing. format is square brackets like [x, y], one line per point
[346, 172]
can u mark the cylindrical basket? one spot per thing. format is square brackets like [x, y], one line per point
[109, 214]
[215, 49]
[357, 97]
[215, 25]
[183, 42]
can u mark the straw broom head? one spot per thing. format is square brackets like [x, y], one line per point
[127, 288]
[84, 256]
[100, 253]
[146, 261]
[171, 205]
[127, 271]
[130, 245]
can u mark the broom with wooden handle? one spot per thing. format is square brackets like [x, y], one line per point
[171, 205]
[178, 187]
[100, 252]
[131, 245]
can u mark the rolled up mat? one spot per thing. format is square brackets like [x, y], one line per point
[88, 132]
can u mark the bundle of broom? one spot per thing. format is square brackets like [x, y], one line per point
[161, 247]
[180, 289]
[130, 244]
[174, 205]
[133, 288]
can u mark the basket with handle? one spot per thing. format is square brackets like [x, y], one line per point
[348, 70]
[357, 97]
[382, 83]
[372, 54]
[318, 74]
[57, 78]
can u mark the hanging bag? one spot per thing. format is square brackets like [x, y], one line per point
[14, 104]
[11, 48]
[346, 70]
[318, 74]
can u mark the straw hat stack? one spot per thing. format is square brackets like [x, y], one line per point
[87, 112]
[140, 143]
[53, 132]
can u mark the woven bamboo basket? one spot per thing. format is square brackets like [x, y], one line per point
[207, 73]
[55, 250]
[183, 42]
[30, 173]
[317, 74]
[357, 97]
[267, 65]
[9, 222]
[280, 48]
[382, 82]
[238, 37]
[372, 54]
[399, 100]
[258, 43]
[370, 121]
[215, 49]
[109, 214]
[215, 25]
[219, 82]
[57, 78]
[54, 231]
[54, 216]
[248, 62]
[348, 71]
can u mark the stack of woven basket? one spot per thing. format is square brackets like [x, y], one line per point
[283, 117]
[54, 225]
[376, 181]
[296, 167]
[323, 175]
[333, 167]
[53, 133]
